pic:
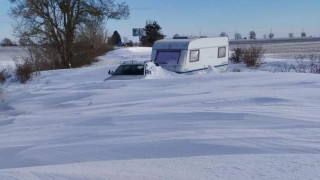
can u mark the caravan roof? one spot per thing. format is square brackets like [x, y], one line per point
[196, 43]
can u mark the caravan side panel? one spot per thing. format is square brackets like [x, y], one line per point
[222, 58]
[208, 57]
[196, 65]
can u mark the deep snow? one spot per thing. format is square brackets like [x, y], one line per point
[70, 124]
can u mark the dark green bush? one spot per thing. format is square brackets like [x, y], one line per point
[237, 55]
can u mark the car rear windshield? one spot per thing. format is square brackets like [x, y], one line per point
[130, 70]
[168, 57]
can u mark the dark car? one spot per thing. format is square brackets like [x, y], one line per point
[130, 70]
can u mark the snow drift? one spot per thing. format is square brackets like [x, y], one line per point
[70, 124]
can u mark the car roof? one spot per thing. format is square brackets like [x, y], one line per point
[135, 62]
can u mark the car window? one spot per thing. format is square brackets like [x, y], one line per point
[129, 70]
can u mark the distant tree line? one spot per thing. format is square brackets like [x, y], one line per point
[151, 33]
[253, 35]
[8, 42]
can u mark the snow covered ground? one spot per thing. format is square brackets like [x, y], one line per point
[70, 124]
[8, 54]
[285, 50]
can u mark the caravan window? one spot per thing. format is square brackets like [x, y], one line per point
[194, 55]
[222, 52]
[168, 57]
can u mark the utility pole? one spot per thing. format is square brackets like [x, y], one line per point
[140, 32]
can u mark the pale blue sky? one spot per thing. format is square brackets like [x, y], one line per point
[210, 17]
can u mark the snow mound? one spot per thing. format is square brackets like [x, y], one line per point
[70, 124]
[159, 73]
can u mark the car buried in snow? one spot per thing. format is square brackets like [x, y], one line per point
[130, 70]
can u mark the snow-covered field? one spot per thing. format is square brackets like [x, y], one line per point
[8, 54]
[288, 50]
[70, 124]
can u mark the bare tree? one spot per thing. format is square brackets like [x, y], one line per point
[125, 39]
[291, 35]
[237, 36]
[271, 36]
[265, 36]
[25, 42]
[7, 42]
[55, 22]
[176, 35]
[223, 34]
[252, 35]
[92, 32]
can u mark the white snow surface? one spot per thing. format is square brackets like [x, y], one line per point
[8, 54]
[70, 124]
[125, 54]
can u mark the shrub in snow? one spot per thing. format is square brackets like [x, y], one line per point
[308, 64]
[85, 54]
[304, 64]
[236, 70]
[285, 67]
[237, 55]
[24, 71]
[3, 78]
[253, 56]
[1, 90]
[315, 64]
[4, 75]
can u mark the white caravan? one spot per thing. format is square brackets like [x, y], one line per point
[191, 55]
